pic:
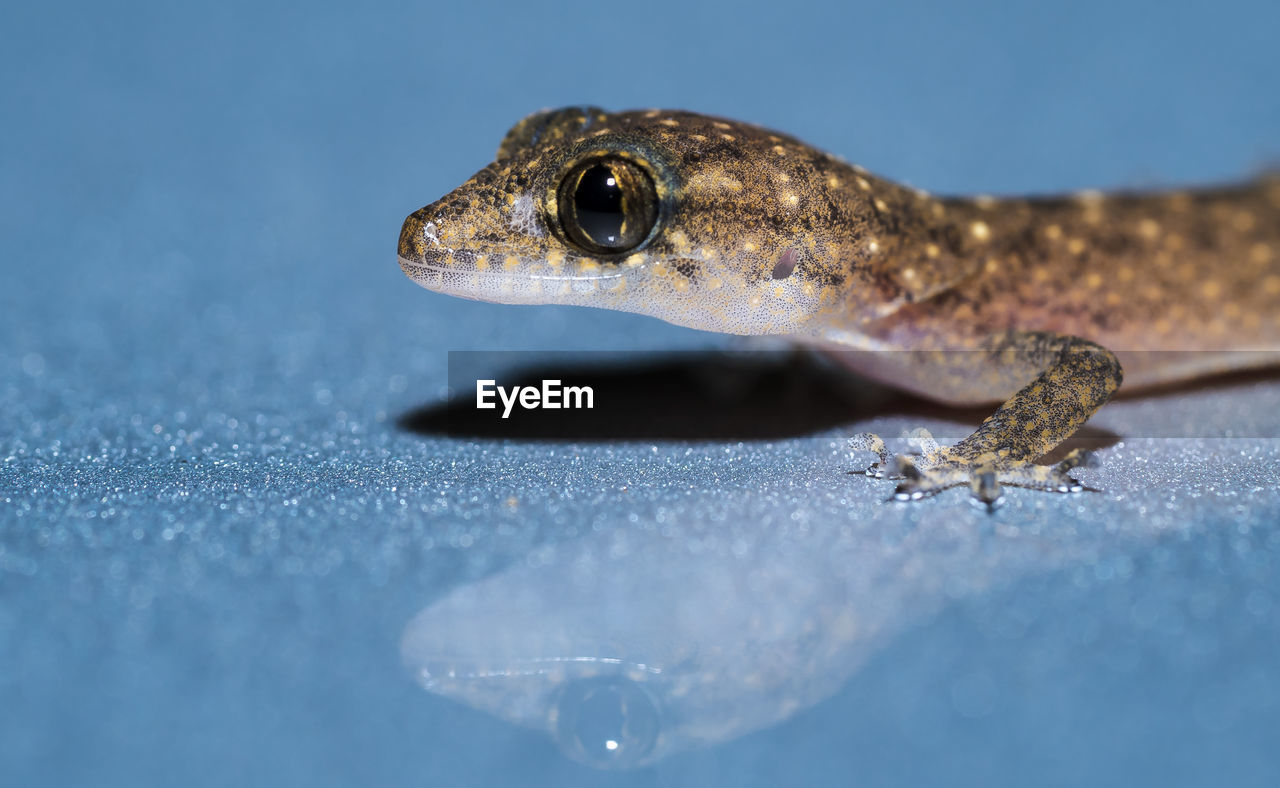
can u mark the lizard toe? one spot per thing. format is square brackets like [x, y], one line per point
[869, 441]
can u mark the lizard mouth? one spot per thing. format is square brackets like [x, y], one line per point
[467, 274]
[499, 275]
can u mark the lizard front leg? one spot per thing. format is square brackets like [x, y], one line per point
[1069, 379]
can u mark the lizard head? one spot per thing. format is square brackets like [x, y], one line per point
[696, 220]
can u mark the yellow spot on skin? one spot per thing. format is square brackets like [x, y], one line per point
[588, 266]
[1173, 242]
[719, 124]
[881, 205]
[778, 149]
[932, 250]
[1125, 274]
[669, 122]
[1243, 221]
[833, 182]
[1113, 299]
[1148, 228]
[1271, 285]
[779, 291]
[1260, 254]
[1093, 281]
[728, 137]
[980, 230]
[793, 199]
[713, 284]
[783, 177]
[984, 201]
[991, 265]
[634, 260]
[750, 247]
[1075, 245]
[755, 300]
[1162, 326]
[1053, 232]
[1211, 289]
[555, 258]
[908, 273]
[873, 247]
[938, 209]
[511, 262]
[1231, 310]
[482, 262]
[863, 184]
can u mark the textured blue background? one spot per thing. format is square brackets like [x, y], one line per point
[212, 531]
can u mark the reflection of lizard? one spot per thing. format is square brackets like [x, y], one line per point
[729, 227]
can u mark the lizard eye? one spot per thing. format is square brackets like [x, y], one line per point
[607, 205]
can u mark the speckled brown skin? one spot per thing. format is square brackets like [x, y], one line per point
[1034, 302]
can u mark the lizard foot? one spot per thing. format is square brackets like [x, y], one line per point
[935, 468]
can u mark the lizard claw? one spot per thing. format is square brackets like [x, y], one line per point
[984, 484]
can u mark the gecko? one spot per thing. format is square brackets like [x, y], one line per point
[1041, 305]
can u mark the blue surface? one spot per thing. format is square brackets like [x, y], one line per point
[213, 534]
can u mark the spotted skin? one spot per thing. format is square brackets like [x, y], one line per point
[1038, 303]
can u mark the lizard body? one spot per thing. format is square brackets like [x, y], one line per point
[1037, 303]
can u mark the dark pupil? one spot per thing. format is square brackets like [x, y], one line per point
[598, 204]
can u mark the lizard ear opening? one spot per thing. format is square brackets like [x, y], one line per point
[549, 125]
